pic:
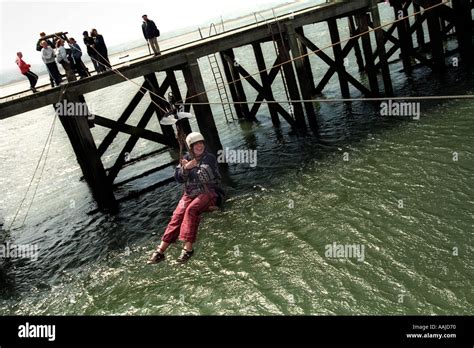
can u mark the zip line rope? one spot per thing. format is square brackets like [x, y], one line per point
[46, 147]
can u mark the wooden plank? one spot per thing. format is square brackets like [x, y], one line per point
[257, 49]
[109, 138]
[261, 92]
[130, 144]
[328, 60]
[132, 130]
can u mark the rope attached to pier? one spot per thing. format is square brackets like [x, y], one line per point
[44, 153]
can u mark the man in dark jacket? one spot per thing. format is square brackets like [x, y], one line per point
[101, 49]
[151, 32]
[89, 42]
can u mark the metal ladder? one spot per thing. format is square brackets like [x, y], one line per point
[219, 81]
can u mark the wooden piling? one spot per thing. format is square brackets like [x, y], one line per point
[462, 20]
[369, 57]
[403, 35]
[236, 87]
[387, 82]
[291, 84]
[338, 58]
[203, 112]
[357, 51]
[82, 141]
[303, 79]
[436, 43]
[306, 61]
[257, 49]
[420, 35]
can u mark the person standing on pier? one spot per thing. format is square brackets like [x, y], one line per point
[101, 49]
[39, 48]
[48, 56]
[25, 70]
[151, 33]
[200, 174]
[62, 58]
[76, 55]
[89, 42]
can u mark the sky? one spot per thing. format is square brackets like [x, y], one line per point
[118, 20]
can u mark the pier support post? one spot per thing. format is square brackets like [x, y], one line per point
[369, 57]
[436, 41]
[291, 84]
[335, 39]
[387, 82]
[358, 53]
[80, 136]
[257, 50]
[235, 84]
[420, 35]
[306, 61]
[203, 112]
[462, 19]
[303, 79]
[403, 36]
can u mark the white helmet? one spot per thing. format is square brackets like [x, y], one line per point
[193, 137]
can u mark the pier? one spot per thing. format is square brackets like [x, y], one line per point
[404, 36]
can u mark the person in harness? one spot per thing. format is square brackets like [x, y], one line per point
[200, 174]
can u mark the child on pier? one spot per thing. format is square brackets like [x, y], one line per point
[25, 70]
[200, 174]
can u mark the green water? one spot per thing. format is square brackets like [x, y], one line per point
[265, 254]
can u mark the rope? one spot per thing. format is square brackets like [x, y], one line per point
[334, 100]
[46, 147]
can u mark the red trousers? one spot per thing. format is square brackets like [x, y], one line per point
[186, 217]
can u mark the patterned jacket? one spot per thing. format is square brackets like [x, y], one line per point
[202, 178]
